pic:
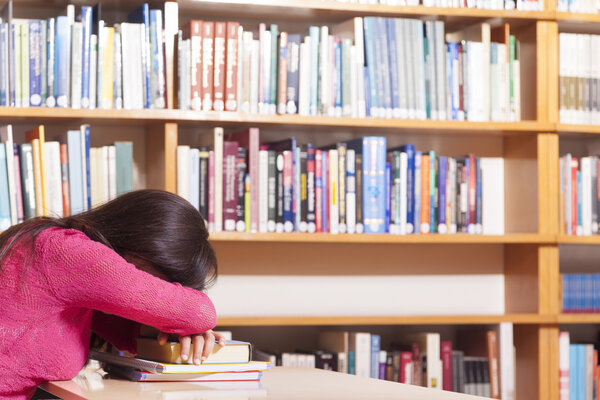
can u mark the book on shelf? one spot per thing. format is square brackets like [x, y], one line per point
[578, 368]
[63, 176]
[580, 293]
[341, 188]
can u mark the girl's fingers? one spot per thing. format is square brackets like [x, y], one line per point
[199, 344]
[185, 342]
[209, 343]
[162, 338]
[219, 338]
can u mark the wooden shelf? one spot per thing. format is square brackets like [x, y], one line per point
[524, 238]
[572, 239]
[10, 114]
[319, 10]
[582, 129]
[387, 320]
[577, 17]
[579, 318]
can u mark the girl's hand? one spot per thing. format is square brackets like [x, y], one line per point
[203, 344]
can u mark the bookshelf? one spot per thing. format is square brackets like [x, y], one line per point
[526, 257]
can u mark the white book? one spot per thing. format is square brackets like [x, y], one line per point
[112, 172]
[265, 67]
[440, 68]
[218, 200]
[76, 60]
[587, 74]
[351, 190]
[254, 73]
[94, 173]
[118, 69]
[432, 38]
[573, 60]
[492, 195]
[563, 364]
[6, 136]
[504, 83]
[53, 178]
[411, 74]
[247, 75]
[485, 68]
[325, 71]
[304, 78]
[476, 83]
[84, 166]
[194, 185]
[134, 56]
[93, 70]
[362, 353]
[430, 347]
[507, 361]
[334, 214]
[353, 83]
[586, 194]
[419, 69]
[595, 74]
[263, 191]
[103, 162]
[403, 189]
[402, 68]
[241, 65]
[360, 62]
[183, 171]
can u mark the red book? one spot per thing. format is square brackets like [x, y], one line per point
[417, 365]
[208, 31]
[219, 67]
[446, 353]
[230, 150]
[282, 81]
[288, 170]
[250, 140]
[406, 367]
[326, 193]
[64, 168]
[211, 190]
[231, 83]
[319, 191]
[193, 31]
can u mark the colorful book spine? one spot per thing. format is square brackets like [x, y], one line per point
[373, 181]
[318, 191]
[231, 69]
[220, 38]
[85, 17]
[63, 61]
[282, 74]
[5, 217]
[35, 63]
[242, 166]
[293, 73]
[273, 73]
[310, 188]
[442, 226]
[208, 40]
[288, 218]
[157, 78]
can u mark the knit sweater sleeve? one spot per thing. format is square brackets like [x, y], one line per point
[85, 273]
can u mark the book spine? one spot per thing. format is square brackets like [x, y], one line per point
[346, 78]
[417, 195]
[242, 165]
[35, 64]
[4, 66]
[351, 191]
[393, 67]
[296, 202]
[279, 219]
[318, 191]
[288, 191]
[425, 193]
[118, 72]
[211, 191]
[195, 36]
[442, 216]
[219, 72]
[282, 74]
[371, 64]
[171, 12]
[63, 58]
[18, 186]
[76, 67]
[107, 97]
[85, 18]
[334, 218]
[271, 190]
[310, 188]
[93, 72]
[373, 180]
[273, 72]
[183, 171]
[25, 79]
[208, 29]
[203, 155]
[5, 213]
[157, 77]
[341, 148]
[303, 227]
[314, 33]
[472, 194]
[230, 151]
[64, 169]
[293, 74]
[263, 191]
[218, 199]
[375, 350]
[433, 192]
[231, 81]
[325, 200]
[359, 191]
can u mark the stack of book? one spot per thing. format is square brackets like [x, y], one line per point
[160, 363]
[580, 293]
[524, 5]
[372, 66]
[579, 72]
[348, 187]
[580, 200]
[578, 369]
[50, 178]
[480, 362]
[577, 6]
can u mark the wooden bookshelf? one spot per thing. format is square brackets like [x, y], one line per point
[527, 319]
[573, 239]
[524, 238]
[577, 318]
[573, 129]
[578, 17]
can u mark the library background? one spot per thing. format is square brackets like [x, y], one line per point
[398, 190]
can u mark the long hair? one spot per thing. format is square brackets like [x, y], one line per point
[157, 227]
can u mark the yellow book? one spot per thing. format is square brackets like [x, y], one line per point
[233, 352]
[107, 46]
[37, 138]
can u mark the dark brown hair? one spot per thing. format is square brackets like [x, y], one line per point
[157, 227]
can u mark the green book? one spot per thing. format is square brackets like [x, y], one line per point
[27, 180]
[124, 160]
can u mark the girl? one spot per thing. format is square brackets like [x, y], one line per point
[141, 258]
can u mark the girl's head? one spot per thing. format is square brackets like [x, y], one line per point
[156, 230]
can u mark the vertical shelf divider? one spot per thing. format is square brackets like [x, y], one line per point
[161, 156]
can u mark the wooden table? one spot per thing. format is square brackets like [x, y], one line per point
[278, 383]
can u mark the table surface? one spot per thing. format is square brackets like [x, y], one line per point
[277, 383]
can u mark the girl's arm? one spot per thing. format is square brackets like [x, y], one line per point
[121, 332]
[85, 273]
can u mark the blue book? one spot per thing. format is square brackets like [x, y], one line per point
[579, 199]
[388, 196]
[313, 31]
[382, 54]
[75, 170]
[325, 203]
[51, 62]
[478, 198]
[293, 73]
[454, 64]
[579, 291]
[432, 190]
[374, 154]
[62, 66]
[573, 371]
[85, 17]
[289, 145]
[589, 292]
[87, 201]
[409, 149]
[157, 77]
[450, 86]
[367, 92]
[338, 79]
[141, 15]
[393, 65]
[581, 375]
[565, 299]
[596, 292]
[442, 174]
[375, 348]
[5, 219]
[468, 221]
[35, 63]
[351, 362]
[371, 64]
[4, 70]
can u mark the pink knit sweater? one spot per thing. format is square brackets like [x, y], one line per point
[48, 308]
